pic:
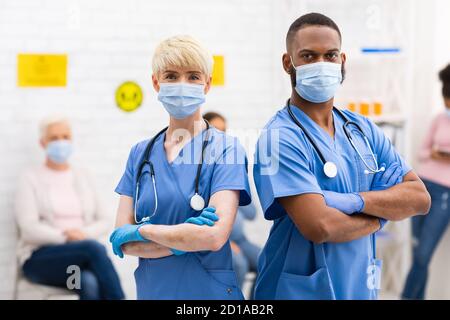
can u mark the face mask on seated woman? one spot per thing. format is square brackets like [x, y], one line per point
[59, 151]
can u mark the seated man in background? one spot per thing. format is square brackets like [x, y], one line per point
[245, 253]
[59, 216]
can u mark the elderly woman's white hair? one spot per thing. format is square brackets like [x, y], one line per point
[51, 120]
[182, 51]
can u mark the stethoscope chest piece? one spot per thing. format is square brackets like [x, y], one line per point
[330, 169]
[197, 202]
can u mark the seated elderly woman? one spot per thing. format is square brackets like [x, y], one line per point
[59, 216]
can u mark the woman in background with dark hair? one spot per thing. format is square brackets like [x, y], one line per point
[435, 172]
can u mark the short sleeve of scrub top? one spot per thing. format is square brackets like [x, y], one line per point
[126, 184]
[285, 172]
[385, 150]
[231, 172]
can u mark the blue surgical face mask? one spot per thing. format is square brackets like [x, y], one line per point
[318, 82]
[447, 111]
[59, 151]
[181, 99]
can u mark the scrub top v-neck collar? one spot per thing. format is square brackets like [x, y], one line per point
[324, 135]
[189, 144]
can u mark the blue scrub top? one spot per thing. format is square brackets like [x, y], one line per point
[286, 164]
[198, 275]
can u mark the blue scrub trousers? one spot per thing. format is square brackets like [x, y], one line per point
[99, 280]
[427, 232]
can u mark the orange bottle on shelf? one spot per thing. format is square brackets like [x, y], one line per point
[351, 106]
[364, 108]
[378, 108]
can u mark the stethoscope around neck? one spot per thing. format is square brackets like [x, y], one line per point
[329, 167]
[196, 202]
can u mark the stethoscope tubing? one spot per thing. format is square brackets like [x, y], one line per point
[347, 122]
[146, 161]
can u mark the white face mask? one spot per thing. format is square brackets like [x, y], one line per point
[181, 99]
[318, 82]
[59, 151]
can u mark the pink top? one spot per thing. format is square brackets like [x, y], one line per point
[64, 199]
[438, 137]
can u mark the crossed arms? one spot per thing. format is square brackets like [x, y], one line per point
[320, 223]
[186, 237]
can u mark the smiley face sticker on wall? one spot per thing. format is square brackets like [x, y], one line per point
[129, 96]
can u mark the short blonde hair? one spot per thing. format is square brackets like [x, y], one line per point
[51, 120]
[182, 51]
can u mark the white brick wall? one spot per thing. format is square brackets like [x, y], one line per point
[108, 42]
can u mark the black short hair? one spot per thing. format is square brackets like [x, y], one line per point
[444, 75]
[213, 115]
[311, 19]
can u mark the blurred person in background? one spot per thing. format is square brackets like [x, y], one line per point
[60, 216]
[245, 253]
[434, 170]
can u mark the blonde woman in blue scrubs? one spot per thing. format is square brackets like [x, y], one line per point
[185, 215]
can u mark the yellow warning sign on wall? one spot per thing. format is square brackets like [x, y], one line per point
[41, 70]
[218, 76]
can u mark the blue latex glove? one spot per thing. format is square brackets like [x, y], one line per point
[124, 234]
[177, 252]
[387, 179]
[207, 217]
[348, 203]
[382, 223]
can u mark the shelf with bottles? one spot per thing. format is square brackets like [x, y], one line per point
[377, 112]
